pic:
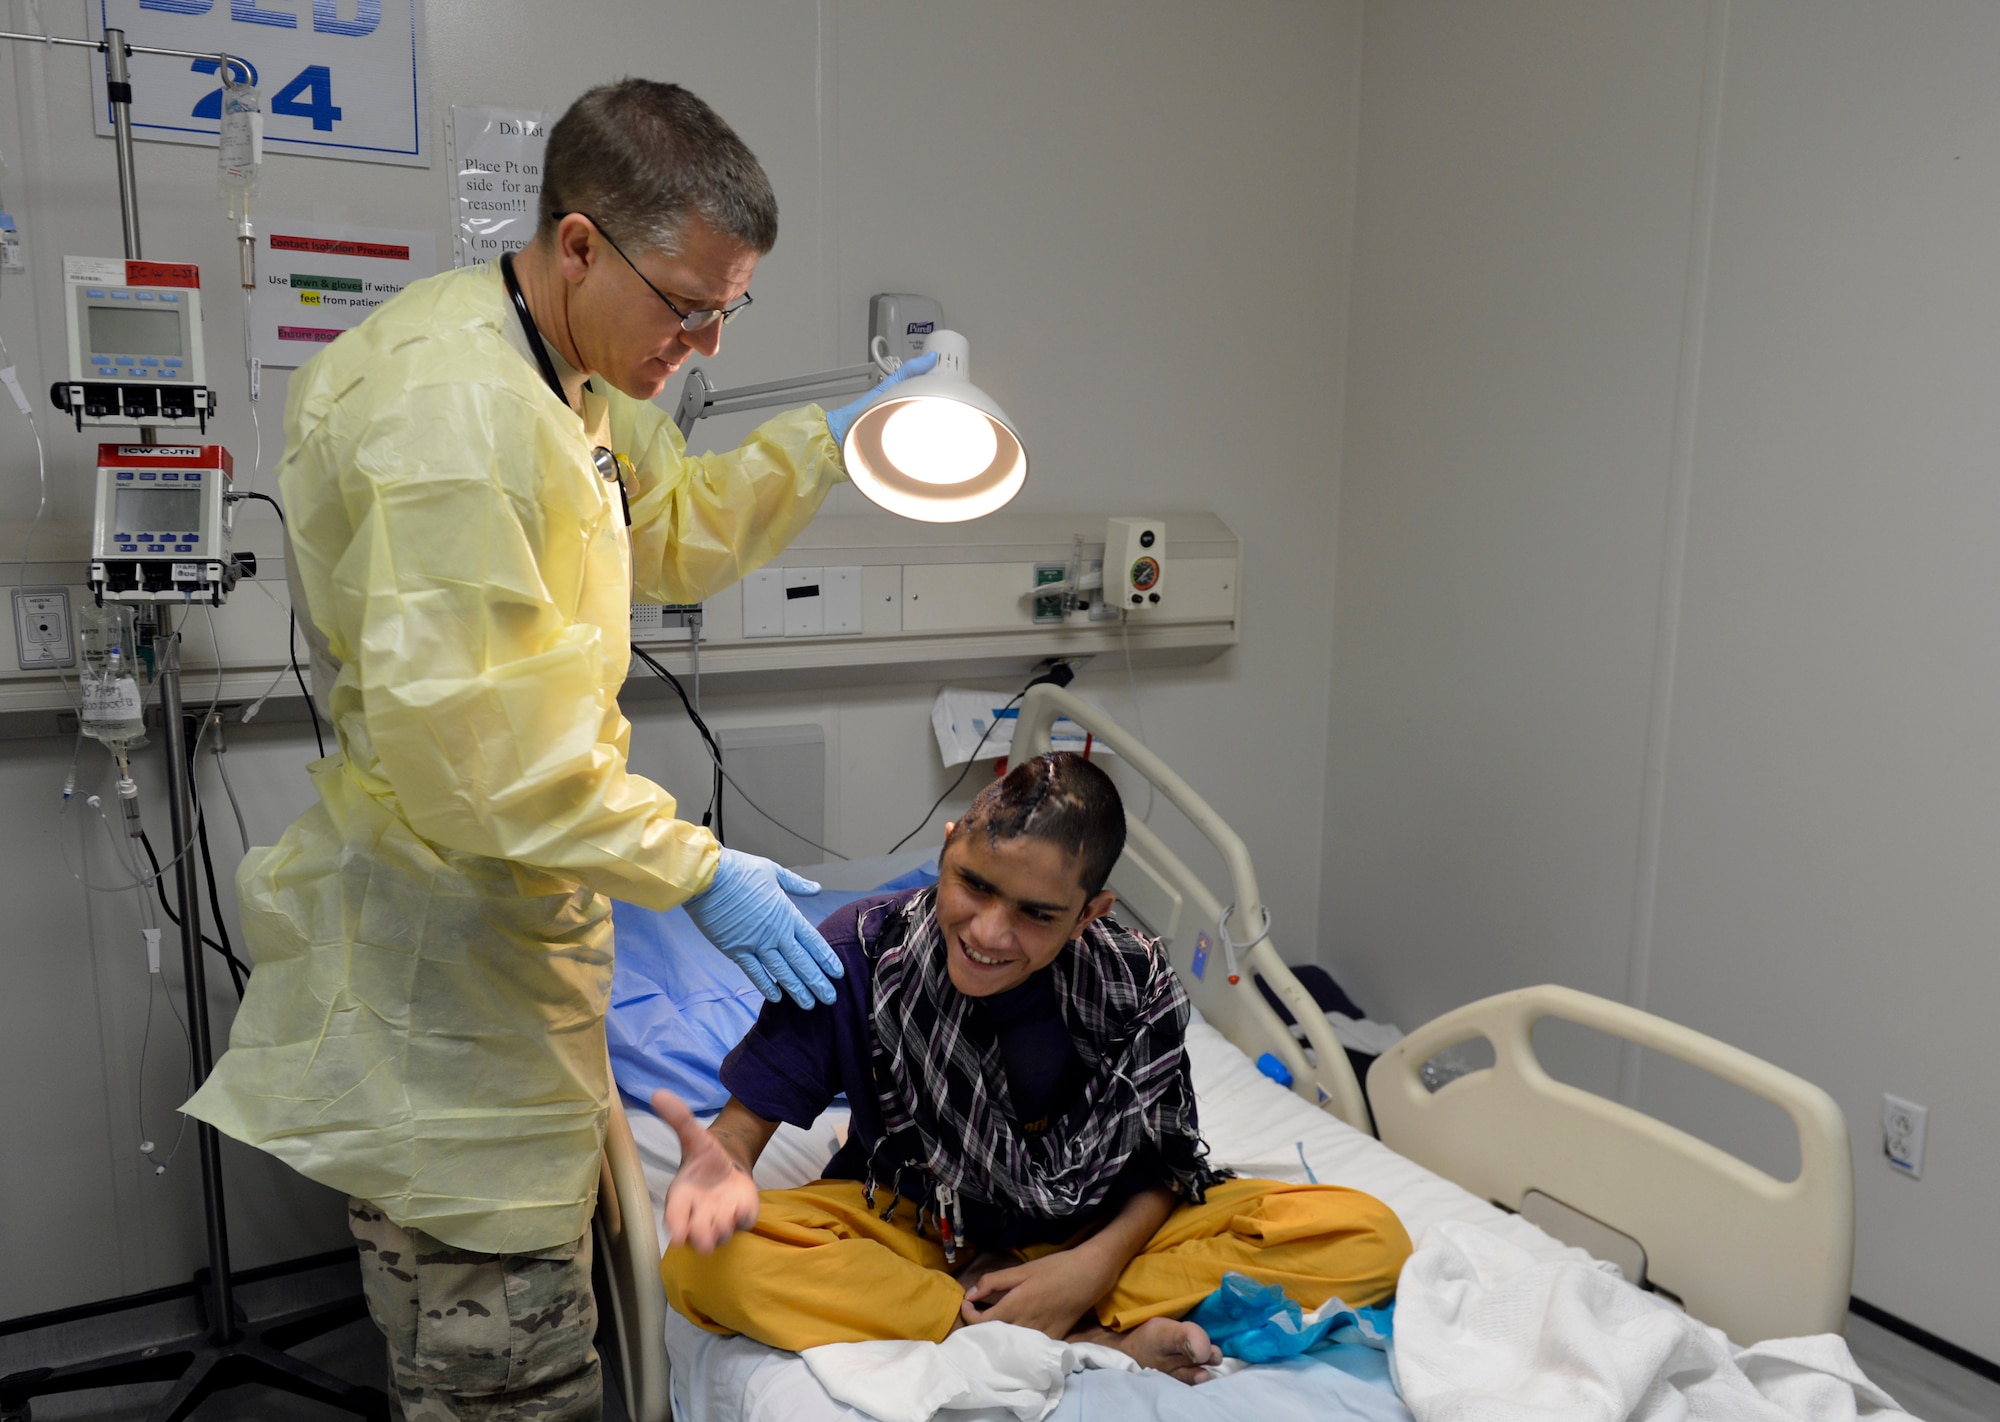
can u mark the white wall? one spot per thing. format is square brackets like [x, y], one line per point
[1664, 654]
[1140, 215]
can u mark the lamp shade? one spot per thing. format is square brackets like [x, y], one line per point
[936, 447]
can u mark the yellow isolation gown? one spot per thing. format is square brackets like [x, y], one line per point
[432, 941]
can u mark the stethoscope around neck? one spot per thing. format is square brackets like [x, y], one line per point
[605, 461]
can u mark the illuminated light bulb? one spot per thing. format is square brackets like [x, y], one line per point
[939, 441]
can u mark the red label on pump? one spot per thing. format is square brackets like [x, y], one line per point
[163, 274]
[166, 456]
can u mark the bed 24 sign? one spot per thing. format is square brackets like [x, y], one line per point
[339, 78]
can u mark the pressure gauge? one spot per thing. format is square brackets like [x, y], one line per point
[1135, 557]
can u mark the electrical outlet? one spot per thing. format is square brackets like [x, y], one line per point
[1903, 1134]
[42, 629]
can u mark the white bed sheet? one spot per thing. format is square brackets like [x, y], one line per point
[1252, 1124]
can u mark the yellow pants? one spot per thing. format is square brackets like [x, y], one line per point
[819, 1266]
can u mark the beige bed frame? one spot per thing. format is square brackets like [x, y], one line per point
[1758, 1257]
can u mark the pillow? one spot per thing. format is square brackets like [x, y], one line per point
[678, 1005]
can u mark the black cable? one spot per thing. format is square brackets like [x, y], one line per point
[714, 810]
[971, 761]
[722, 772]
[715, 796]
[1058, 674]
[822, 848]
[292, 648]
[228, 949]
[160, 888]
[712, 816]
[292, 629]
[192, 728]
[238, 969]
[715, 805]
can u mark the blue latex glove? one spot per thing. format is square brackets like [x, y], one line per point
[837, 421]
[745, 913]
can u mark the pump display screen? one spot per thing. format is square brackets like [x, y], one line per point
[114, 330]
[141, 511]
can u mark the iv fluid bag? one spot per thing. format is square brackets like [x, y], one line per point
[239, 153]
[116, 675]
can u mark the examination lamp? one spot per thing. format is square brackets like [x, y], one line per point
[935, 448]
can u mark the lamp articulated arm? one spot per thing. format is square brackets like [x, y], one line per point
[700, 398]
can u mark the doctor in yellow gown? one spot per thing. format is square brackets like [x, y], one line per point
[432, 940]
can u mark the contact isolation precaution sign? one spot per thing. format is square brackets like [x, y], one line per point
[315, 281]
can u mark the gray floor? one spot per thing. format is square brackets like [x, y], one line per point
[1926, 1385]
[354, 1352]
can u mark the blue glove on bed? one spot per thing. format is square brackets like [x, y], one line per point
[745, 913]
[838, 421]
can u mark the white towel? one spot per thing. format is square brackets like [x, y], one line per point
[1484, 1333]
[993, 1370]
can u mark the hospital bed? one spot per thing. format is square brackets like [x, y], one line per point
[1759, 1257]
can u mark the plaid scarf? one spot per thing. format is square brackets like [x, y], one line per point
[943, 1089]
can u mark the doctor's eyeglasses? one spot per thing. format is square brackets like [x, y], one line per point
[697, 320]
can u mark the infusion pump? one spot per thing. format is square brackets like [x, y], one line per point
[161, 531]
[134, 344]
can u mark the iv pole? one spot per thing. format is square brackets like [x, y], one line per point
[230, 1351]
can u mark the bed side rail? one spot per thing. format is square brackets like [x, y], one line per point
[1157, 887]
[628, 1256]
[1755, 1256]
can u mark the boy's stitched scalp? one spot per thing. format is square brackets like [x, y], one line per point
[1059, 798]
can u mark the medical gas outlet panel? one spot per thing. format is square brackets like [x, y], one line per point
[1135, 560]
[161, 530]
[865, 597]
[134, 345]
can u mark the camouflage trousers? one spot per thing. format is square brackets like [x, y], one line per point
[491, 1337]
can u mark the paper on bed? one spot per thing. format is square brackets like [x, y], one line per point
[1485, 1332]
[981, 722]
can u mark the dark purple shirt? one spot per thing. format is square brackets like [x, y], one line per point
[794, 1062]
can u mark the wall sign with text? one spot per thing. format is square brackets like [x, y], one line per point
[339, 78]
[316, 280]
[495, 157]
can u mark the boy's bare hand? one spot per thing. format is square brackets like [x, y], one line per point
[712, 1196]
[1049, 1294]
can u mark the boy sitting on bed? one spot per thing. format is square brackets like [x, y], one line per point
[1023, 1144]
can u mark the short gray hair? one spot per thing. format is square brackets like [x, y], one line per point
[642, 158]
